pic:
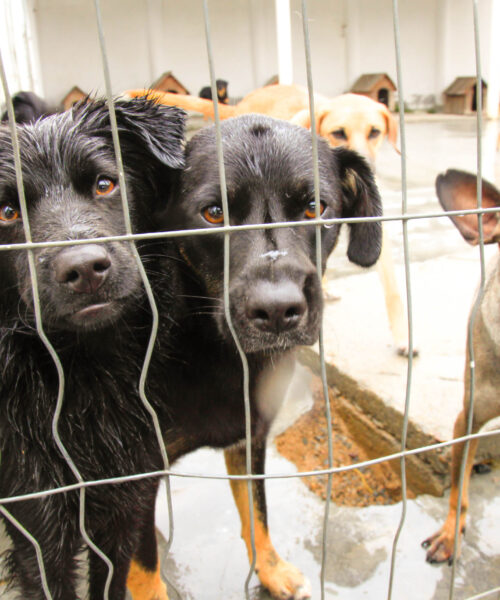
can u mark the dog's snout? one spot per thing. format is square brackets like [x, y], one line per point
[83, 268]
[276, 307]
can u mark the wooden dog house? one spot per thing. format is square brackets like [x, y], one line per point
[378, 87]
[72, 97]
[169, 83]
[460, 98]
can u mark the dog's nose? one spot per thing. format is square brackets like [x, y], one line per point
[276, 307]
[83, 268]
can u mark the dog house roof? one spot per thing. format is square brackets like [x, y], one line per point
[368, 81]
[461, 85]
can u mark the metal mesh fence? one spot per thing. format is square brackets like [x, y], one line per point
[166, 473]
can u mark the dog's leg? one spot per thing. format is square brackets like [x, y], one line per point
[144, 580]
[440, 545]
[53, 524]
[393, 302]
[283, 580]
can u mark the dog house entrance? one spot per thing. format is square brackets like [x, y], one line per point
[383, 96]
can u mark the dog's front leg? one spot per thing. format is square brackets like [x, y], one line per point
[283, 580]
[440, 544]
[393, 302]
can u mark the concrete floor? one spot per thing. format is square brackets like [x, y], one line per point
[208, 560]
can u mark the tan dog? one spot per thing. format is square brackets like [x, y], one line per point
[350, 120]
[456, 190]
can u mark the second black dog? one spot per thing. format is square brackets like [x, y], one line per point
[275, 297]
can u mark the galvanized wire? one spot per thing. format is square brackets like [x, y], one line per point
[406, 250]
[227, 306]
[49, 347]
[144, 277]
[478, 300]
[319, 262]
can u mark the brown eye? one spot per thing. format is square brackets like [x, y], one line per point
[374, 133]
[8, 213]
[104, 186]
[214, 214]
[310, 212]
[339, 134]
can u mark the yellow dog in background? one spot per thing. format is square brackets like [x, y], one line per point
[350, 120]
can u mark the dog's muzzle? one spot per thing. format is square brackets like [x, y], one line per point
[276, 307]
[83, 269]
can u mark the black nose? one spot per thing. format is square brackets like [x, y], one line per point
[276, 307]
[83, 268]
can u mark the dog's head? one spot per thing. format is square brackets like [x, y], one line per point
[353, 121]
[72, 192]
[457, 190]
[275, 291]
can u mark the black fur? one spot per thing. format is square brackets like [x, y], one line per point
[28, 107]
[222, 97]
[103, 424]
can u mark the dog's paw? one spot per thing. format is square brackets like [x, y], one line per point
[284, 581]
[439, 546]
[404, 350]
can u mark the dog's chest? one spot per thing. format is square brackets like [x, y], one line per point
[490, 307]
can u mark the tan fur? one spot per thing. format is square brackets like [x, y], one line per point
[457, 190]
[282, 579]
[144, 584]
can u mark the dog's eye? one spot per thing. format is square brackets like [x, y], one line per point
[310, 212]
[374, 133]
[339, 134]
[214, 214]
[104, 186]
[8, 213]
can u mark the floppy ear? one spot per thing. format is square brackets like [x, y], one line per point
[303, 117]
[145, 128]
[456, 190]
[360, 198]
[392, 127]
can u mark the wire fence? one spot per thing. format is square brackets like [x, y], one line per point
[166, 473]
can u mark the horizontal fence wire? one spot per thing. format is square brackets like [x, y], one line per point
[227, 230]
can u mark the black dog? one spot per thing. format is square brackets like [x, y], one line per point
[274, 295]
[222, 97]
[96, 314]
[28, 107]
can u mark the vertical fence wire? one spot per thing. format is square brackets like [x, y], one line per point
[404, 210]
[227, 312]
[144, 277]
[478, 300]
[51, 351]
[319, 261]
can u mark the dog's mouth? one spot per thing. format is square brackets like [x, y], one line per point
[95, 315]
[92, 312]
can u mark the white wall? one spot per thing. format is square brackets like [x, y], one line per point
[144, 38]
[348, 38]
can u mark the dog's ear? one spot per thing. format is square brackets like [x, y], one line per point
[144, 126]
[392, 127]
[360, 198]
[303, 117]
[457, 190]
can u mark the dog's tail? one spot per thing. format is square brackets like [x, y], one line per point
[192, 103]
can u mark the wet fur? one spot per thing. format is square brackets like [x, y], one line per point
[104, 425]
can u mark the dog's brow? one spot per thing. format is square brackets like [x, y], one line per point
[274, 254]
